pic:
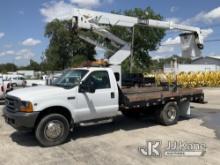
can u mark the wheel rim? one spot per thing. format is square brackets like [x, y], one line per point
[171, 113]
[54, 129]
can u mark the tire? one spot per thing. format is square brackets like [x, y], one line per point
[52, 130]
[169, 115]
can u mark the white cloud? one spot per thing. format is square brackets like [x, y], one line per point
[173, 9]
[24, 54]
[171, 41]
[205, 17]
[86, 3]
[2, 34]
[207, 32]
[213, 14]
[31, 42]
[7, 52]
[21, 12]
[173, 19]
[202, 17]
[57, 10]
[62, 10]
[165, 49]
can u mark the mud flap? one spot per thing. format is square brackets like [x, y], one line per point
[184, 108]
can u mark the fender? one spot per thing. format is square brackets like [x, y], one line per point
[53, 103]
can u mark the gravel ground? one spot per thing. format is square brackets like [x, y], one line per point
[118, 142]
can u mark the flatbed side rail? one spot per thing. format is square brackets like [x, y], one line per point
[191, 97]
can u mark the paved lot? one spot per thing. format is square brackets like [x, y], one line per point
[117, 143]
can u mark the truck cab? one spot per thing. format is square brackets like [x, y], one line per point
[79, 95]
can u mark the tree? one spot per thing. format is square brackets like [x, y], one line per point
[65, 45]
[145, 38]
[9, 67]
[32, 66]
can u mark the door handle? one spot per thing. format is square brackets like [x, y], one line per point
[112, 95]
[71, 98]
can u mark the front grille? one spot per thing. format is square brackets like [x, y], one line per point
[12, 103]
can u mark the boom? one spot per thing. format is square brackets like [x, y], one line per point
[98, 22]
[86, 19]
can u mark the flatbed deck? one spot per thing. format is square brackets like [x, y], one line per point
[148, 96]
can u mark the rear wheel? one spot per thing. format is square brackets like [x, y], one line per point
[52, 130]
[169, 115]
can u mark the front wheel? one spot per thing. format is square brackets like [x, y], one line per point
[52, 130]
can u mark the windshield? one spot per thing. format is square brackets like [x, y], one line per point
[70, 78]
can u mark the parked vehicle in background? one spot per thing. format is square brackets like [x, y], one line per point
[16, 80]
[5, 86]
[2, 92]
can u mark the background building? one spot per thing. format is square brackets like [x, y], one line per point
[198, 64]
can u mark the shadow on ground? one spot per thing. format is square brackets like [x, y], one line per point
[210, 118]
[119, 123]
[24, 138]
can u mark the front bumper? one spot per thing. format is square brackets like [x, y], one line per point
[20, 120]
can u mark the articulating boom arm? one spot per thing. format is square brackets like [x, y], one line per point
[87, 18]
[98, 22]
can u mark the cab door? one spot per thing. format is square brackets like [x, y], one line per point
[100, 104]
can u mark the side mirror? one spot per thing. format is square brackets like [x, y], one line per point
[86, 87]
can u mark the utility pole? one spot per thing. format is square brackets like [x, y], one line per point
[132, 51]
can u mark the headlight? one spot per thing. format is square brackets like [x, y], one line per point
[26, 106]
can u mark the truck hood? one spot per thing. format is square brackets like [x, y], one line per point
[32, 93]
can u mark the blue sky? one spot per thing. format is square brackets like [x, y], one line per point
[22, 23]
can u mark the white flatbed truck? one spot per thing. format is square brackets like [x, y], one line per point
[89, 94]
